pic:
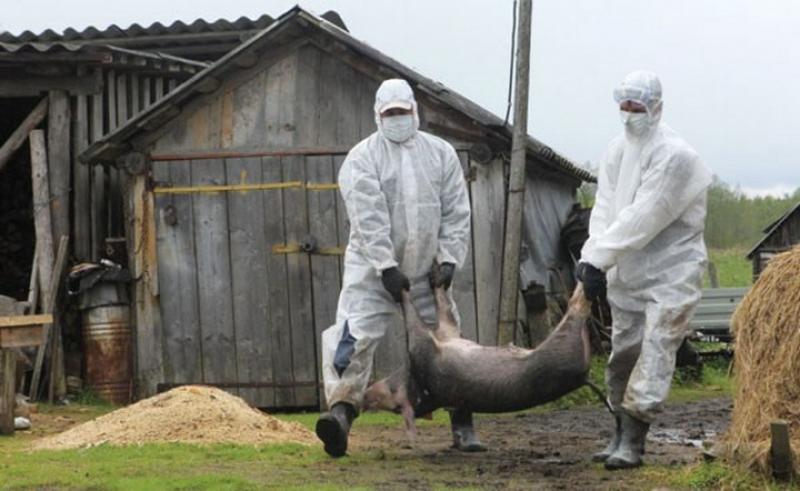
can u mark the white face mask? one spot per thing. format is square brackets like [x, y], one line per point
[398, 128]
[635, 123]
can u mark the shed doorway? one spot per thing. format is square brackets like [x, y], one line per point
[17, 234]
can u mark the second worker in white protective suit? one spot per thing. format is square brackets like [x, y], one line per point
[408, 206]
[646, 237]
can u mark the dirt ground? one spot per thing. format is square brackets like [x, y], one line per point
[542, 450]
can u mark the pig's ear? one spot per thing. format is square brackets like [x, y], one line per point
[408, 417]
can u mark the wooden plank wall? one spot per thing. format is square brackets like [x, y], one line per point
[102, 208]
[464, 282]
[266, 310]
[237, 312]
[488, 216]
[97, 201]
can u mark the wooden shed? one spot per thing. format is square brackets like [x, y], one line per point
[779, 236]
[78, 93]
[77, 86]
[235, 227]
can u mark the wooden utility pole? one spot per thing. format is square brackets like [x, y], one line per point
[509, 288]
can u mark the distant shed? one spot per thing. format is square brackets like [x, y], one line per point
[781, 235]
[235, 226]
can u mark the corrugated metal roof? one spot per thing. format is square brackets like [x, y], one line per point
[116, 142]
[114, 31]
[96, 54]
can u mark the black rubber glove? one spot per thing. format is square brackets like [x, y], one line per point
[594, 281]
[443, 275]
[395, 282]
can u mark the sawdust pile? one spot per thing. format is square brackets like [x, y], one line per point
[766, 326]
[189, 414]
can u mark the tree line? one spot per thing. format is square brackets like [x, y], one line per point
[737, 220]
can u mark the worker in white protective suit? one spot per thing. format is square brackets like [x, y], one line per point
[646, 238]
[408, 206]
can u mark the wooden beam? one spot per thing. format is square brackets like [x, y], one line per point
[246, 60]
[19, 135]
[781, 450]
[208, 85]
[115, 117]
[21, 336]
[122, 99]
[146, 91]
[159, 89]
[42, 219]
[50, 58]
[136, 102]
[33, 286]
[80, 178]
[8, 365]
[98, 194]
[35, 86]
[41, 210]
[230, 153]
[50, 304]
[58, 160]
[25, 320]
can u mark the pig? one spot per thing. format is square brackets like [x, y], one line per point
[445, 371]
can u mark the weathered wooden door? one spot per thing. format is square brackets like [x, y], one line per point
[249, 253]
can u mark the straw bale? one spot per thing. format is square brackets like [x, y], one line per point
[766, 327]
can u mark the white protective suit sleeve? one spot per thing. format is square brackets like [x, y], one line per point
[454, 228]
[667, 188]
[603, 201]
[368, 211]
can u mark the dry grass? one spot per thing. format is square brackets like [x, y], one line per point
[767, 363]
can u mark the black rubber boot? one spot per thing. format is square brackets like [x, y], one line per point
[464, 437]
[334, 426]
[603, 455]
[631, 446]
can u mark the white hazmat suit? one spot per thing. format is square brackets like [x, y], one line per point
[646, 233]
[408, 206]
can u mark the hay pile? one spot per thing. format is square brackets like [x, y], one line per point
[189, 414]
[767, 363]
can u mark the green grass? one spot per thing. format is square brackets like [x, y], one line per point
[733, 268]
[714, 382]
[88, 397]
[173, 466]
[709, 476]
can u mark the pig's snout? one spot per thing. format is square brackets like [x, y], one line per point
[379, 396]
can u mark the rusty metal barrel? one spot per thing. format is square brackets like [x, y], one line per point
[107, 344]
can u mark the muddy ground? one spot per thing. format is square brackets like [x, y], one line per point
[537, 450]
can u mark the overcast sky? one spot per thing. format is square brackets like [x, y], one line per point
[730, 68]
